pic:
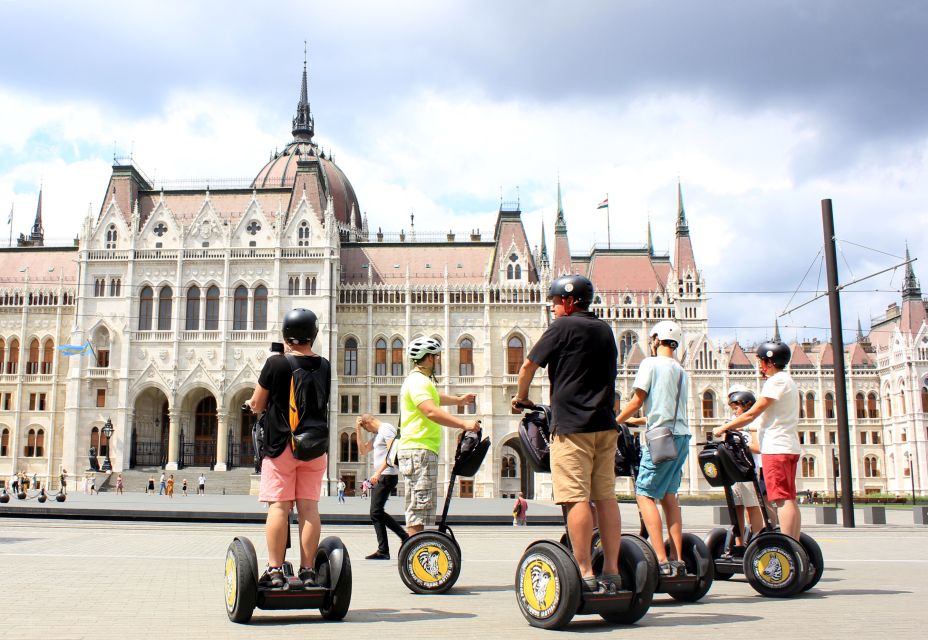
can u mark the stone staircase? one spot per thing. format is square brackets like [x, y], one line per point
[236, 482]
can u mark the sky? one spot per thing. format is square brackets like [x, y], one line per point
[442, 109]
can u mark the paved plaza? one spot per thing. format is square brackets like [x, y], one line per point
[80, 579]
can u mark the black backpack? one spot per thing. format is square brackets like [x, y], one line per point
[535, 436]
[627, 453]
[309, 397]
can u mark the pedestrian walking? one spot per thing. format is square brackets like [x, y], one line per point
[365, 488]
[170, 486]
[150, 489]
[183, 486]
[119, 485]
[520, 511]
[340, 488]
[201, 485]
[63, 481]
[92, 485]
[162, 485]
[382, 483]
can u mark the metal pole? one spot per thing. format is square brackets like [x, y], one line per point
[834, 475]
[608, 223]
[837, 343]
[912, 478]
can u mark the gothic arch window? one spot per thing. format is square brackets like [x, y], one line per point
[860, 407]
[12, 365]
[808, 467]
[212, 309]
[95, 438]
[2, 353]
[513, 269]
[111, 236]
[309, 286]
[810, 405]
[302, 234]
[509, 467]
[4, 443]
[708, 404]
[351, 357]
[48, 355]
[146, 302]
[348, 447]
[115, 287]
[829, 406]
[871, 467]
[466, 357]
[240, 309]
[380, 357]
[32, 363]
[40, 443]
[192, 321]
[925, 398]
[515, 355]
[888, 401]
[626, 342]
[396, 357]
[705, 359]
[902, 403]
[509, 272]
[165, 301]
[259, 309]
[29, 448]
[293, 286]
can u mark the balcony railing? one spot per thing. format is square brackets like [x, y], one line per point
[154, 336]
[251, 336]
[201, 336]
[156, 254]
[38, 377]
[99, 373]
[388, 380]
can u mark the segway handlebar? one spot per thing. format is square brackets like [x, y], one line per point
[524, 404]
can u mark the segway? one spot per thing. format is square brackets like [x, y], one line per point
[775, 565]
[430, 561]
[548, 584]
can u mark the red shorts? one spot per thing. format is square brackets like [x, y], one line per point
[780, 475]
[285, 478]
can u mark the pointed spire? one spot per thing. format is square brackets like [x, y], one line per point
[303, 124]
[776, 330]
[910, 286]
[860, 331]
[560, 225]
[544, 246]
[650, 242]
[683, 228]
[38, 232]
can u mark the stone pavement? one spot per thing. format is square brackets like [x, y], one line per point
[75, 579]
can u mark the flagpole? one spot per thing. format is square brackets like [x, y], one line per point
[608, 230]
[10, 222]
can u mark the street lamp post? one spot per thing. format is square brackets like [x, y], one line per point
[108, 432]
[834, 475]
[908, 459]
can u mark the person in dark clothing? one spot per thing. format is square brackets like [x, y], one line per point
[383, 481]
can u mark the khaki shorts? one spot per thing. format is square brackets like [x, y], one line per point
[419, 468]
[744, 494]
[583, 466]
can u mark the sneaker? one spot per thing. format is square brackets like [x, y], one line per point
[611, 583]
[377, 555]
[679, 567]
[274, 578]
[307, 577]
[591, 584]
[667, 570]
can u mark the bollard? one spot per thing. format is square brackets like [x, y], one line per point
[721, 516]
[921, 515]
[874, 515]
[826, 515]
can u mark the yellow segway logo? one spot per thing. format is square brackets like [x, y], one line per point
[539, 587]
[773, 567]
[430, 566]
[710, 470]
[230, 580]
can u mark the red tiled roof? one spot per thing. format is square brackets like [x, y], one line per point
[858, 355]
[509, 233]
[615, 273]
[826, 355]
[737, 357]
[44, 266]
[230, 206]
[390, 262]
[683, 257]
[634, 357]
[913, 316]
[799, 358]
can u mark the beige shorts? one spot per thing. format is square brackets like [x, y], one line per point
[744, 494]
[419, 468]
[583, 466]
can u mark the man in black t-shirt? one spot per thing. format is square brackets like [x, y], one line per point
[580, 353]
[284, 478]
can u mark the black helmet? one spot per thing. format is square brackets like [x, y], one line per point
[744, 398]
[577, 287]
[776, 353]
[300, 325]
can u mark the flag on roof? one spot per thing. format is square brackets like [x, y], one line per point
[604, 204]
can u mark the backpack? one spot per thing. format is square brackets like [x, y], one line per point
[535, 436]
[309, 397]
[627, 453]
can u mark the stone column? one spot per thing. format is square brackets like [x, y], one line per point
[173, 439]
[222, 442]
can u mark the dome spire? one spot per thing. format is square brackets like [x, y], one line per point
[303, 124]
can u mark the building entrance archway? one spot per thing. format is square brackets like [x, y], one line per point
[515, 474]
[205, 432]
[151, 425]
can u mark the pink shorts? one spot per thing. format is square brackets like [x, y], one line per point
[780, 475]
[285, 478]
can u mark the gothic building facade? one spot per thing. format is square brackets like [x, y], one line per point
[174, 293]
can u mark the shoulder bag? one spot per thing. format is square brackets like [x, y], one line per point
[661, 446]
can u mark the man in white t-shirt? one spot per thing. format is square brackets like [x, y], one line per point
[383, 481]
[778, 411]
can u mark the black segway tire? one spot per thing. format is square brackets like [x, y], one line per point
[695, 553]
[637, 576]
[429, 562]
[775, 565]
[548, 585]
[241, 587]
[715, 543]
[333, 571]
[816, 560]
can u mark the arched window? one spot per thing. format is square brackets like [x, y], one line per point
[808, 467]
[165, 301]
[396, 357]
[515, 355]
[48, 355]
[902, 404]
[309, 286]
[380, 357]
[708, 404]
[12, 365]
[302, 234]
[212, 309]
[111, 237]
[626, 343]
[810, 405]
[259, 309]
[40, 443]
[466, 357]
[829, 406]
[871, 467]
[4, 443]
[509, 467]
[32, 364]
[343, 448]
[889, 402]
[146, 300]
[2, 353]
[192, 322]
[240, 309]
[293, 286]
[29, 448]
[353, 449]
[860, 406]
[925, 398]
[115, 287]
[509, 272]
[351, 357]
[95, 439]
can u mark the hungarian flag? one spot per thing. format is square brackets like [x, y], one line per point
[604, 204]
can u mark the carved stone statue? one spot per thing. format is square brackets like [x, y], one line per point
[94, 464]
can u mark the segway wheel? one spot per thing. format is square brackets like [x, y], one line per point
[548, 585]
[816, 561]
[429, 562]
[775, 565]
[333, 571]
[639, 576]
[715, 543]
[699, 563]
[241, 588]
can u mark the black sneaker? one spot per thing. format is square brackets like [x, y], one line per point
[591, 585]
[307, 577]
[273, 578]
[377, 555]
[612, 583]
[679, 567]
[667, 570]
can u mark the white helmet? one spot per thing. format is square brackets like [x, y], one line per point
[421, 347]
[668, 331]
